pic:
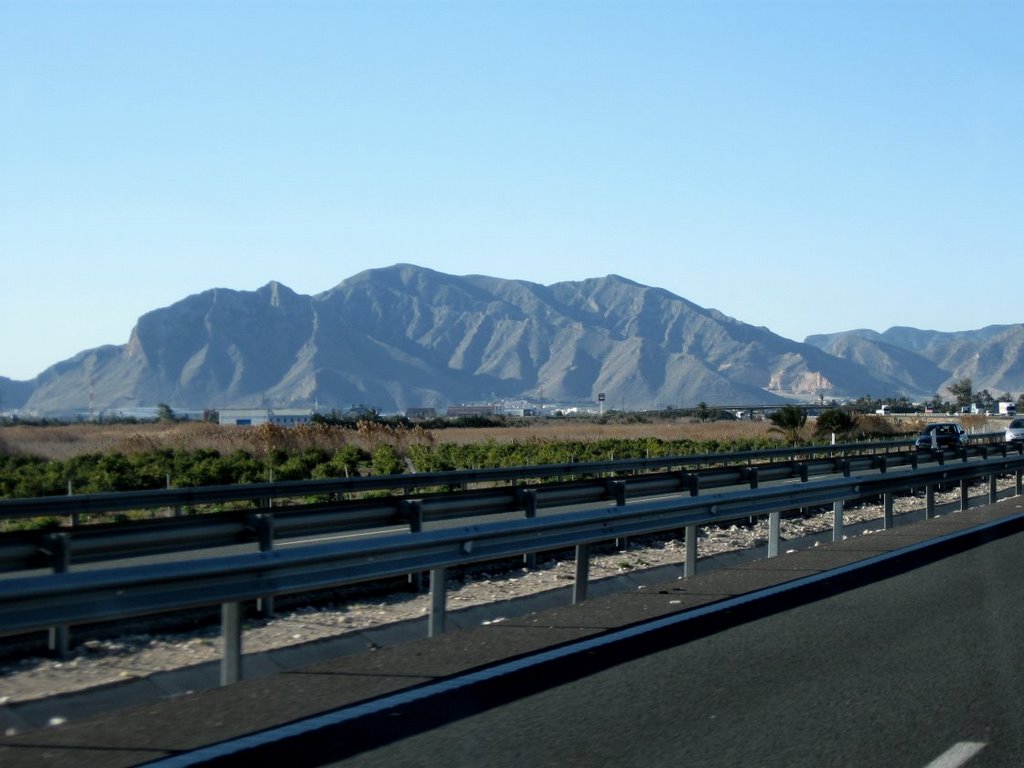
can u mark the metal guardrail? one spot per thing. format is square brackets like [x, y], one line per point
[25, 550]
[36, 603]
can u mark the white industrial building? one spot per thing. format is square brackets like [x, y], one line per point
[251, 417]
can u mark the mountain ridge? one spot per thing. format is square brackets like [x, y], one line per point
[407, 336]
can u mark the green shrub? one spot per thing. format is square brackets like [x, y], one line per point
[386, 461]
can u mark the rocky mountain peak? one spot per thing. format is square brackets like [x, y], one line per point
[406, 336]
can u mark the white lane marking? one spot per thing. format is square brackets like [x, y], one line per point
[957, 755]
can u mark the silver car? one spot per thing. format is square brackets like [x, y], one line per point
[1015, 432]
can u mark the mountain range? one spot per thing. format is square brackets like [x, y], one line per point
[406, 336]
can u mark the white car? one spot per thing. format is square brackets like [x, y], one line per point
[1015, 432]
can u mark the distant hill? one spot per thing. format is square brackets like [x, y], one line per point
[13, 394]
[405, 336]
[992, 357]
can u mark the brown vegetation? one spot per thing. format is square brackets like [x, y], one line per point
[63, 442]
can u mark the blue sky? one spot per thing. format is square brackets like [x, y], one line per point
[806, 166]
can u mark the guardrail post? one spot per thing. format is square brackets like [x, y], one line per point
[773, 534]
[693, 481]
[414, 511]
[993, 492]
[837, 520]
[752, 477]
[1019, 482]
[845, 465]
[579, 588]
[929, 502]
[690, 565]
[231, 639]
[803, 478]
[883, 465]
[887, 521]
[528, 498]
[263, 525]
[438, 600]
[617, 489]
[177, 507]
[59, 551]
[964, 497]
[74, 514]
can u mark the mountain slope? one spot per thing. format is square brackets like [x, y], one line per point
[407, 336]
[992, 357]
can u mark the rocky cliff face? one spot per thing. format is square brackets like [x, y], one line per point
[406, 336]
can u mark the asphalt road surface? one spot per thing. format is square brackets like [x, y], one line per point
[796, 661]
[921, 670]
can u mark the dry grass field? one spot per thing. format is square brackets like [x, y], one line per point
[67, 441]
[584, 431]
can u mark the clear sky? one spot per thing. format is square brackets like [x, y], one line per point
[806, 166]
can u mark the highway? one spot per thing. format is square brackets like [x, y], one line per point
[199, 552]
[161, 541]
[896, 648]
[921, 668]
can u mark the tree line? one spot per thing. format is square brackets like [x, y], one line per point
[26, 476]
[963, 396]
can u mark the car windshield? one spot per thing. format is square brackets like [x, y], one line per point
[1017, 424]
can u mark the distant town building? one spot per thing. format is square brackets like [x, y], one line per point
[471, 410]
[282, 417]
[519, 412]
[421, 413]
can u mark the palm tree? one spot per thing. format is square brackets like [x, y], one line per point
[789, 421]
[835, 421]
